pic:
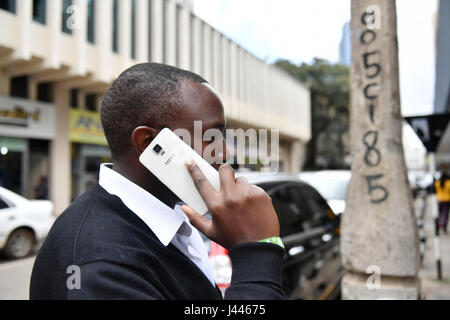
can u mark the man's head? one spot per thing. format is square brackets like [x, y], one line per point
[148, 97]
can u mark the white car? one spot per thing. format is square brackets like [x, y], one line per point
[421, 179]
[331, 184]
[23, 223]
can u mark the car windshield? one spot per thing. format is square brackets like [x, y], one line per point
[331, 189]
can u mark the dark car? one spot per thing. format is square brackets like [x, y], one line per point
[310, 232]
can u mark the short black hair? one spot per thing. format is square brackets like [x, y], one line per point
[145, 94]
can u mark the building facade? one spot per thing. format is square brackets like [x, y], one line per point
[442, 89]
[345, 46]
[58, 58]
[442, 83]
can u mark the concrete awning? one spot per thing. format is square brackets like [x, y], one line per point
[433, 130]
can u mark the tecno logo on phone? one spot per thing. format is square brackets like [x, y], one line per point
[168, 160]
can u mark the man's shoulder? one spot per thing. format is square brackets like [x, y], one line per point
[91, 204]
[96, 226]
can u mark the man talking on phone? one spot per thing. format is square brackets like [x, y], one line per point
[129, 237]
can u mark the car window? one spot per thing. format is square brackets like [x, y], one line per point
[292, 213]
[331, 189]
[317, 206]
[3, 204]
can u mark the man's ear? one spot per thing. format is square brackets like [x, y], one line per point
[142, 137]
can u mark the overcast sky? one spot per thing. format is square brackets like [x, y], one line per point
[299, 30]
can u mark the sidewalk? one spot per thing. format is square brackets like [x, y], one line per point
[15, 278]
[431, 288]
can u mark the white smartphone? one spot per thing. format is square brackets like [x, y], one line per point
[166, 156]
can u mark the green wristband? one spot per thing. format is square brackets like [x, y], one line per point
[274, 240]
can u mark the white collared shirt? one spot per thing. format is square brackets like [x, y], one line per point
[169, 225]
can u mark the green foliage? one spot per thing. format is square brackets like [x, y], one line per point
[330, 98]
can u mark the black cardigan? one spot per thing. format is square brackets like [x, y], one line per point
[119, 257]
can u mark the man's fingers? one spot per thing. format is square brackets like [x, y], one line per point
[226, 176]
[198, 221]
[241, 181]
[202, 184]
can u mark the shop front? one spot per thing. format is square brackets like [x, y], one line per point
[26, 130]
[88, 149]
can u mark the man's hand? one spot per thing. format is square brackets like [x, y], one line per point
[240, 212]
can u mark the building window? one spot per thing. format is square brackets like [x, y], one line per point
[211, 52]
[19, 87]
[133, 29]
[177, 35]
[191, 39]
[65, 16]
[164, 38]
[91, 102]
[39, 11]
[45, 92]
[150, 39]
[91, 21]
[8, 5]
[115, 35]
[74, 98]
[201, 49]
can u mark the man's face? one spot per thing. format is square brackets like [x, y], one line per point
[201, 103]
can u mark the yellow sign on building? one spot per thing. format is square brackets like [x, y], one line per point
[86, 127]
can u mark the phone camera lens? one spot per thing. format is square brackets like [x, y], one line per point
[157, 148]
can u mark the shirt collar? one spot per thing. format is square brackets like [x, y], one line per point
[164, 221]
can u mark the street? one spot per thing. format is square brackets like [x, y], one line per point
[15, 278]
[15, 274]
[431, 288]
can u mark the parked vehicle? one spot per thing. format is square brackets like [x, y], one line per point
[422, 180]
[23, 223]
[331, 184]
[309, 229]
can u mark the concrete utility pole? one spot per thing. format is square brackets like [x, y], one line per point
[379, 241]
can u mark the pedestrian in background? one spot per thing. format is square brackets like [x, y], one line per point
[442, 187]
[41, 190]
